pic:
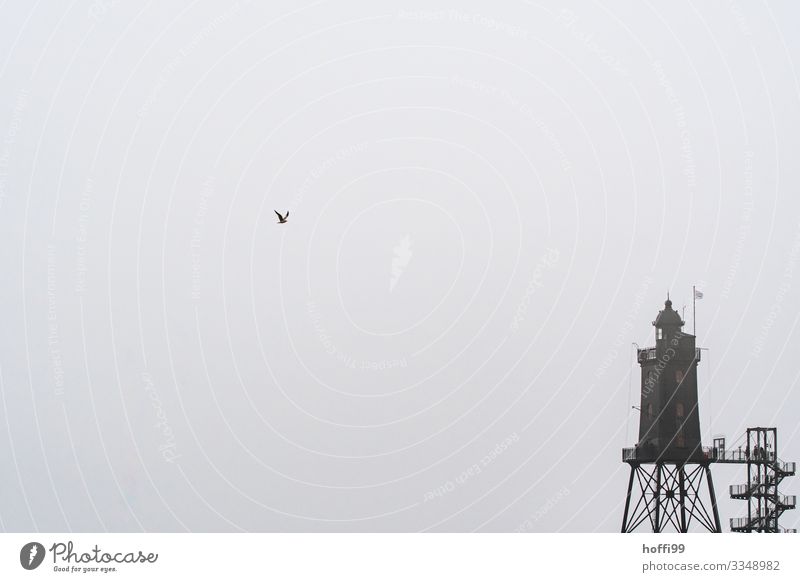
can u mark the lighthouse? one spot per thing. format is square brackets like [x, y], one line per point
[669, 423]
[669, 468]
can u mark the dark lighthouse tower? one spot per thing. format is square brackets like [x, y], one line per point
[669, 467]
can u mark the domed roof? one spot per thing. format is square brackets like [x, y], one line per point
[668, 316]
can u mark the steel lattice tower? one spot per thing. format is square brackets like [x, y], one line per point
[765, 471]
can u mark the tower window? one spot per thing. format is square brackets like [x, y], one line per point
[650, 411]
[659, 333]
[680, 438]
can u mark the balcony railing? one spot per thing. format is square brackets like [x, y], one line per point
[715, 455]
[642, 454]
[755, 522]
[743, 456]
[744, 522]
[758, 490]
[646, 354]
[742, 490]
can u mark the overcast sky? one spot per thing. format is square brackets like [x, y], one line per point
[487, 206]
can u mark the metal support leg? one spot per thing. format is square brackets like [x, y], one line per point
[682, 488]
[713, 496]
[628, 500]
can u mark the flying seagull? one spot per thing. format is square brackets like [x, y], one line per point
[282, 219]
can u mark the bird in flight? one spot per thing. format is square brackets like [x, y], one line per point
[282, 219]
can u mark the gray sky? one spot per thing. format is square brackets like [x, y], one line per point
[487, 206]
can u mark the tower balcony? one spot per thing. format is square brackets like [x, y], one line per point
[647, 354]
[638, 455]
[739, 456]
[644, 354]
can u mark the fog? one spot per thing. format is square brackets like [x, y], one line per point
[487, 207]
